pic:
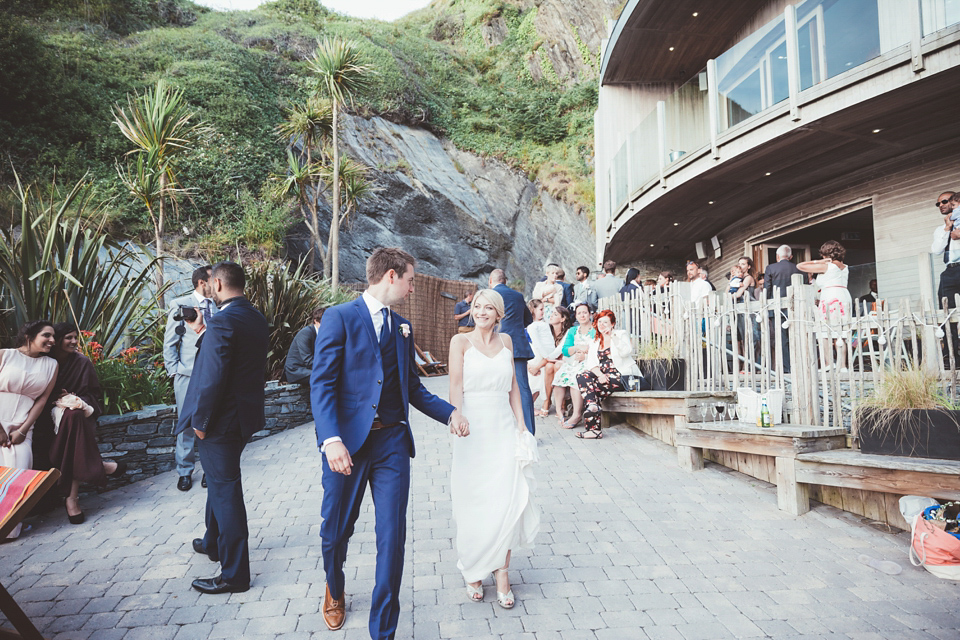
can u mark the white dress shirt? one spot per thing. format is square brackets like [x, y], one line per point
[939, 245]
[699, 288]
[375, 307]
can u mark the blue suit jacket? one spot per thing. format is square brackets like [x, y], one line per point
[226, 387]
[348, 374]
[516, 316]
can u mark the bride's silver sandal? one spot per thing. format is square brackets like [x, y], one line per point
[505, 600]
[475, 593]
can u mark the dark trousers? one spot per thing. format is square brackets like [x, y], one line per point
[383, 462]
[526, 396]
[226, 516]
[776, 324]
[595, 392]
[949, 287]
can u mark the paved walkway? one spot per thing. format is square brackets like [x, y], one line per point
[630, 547]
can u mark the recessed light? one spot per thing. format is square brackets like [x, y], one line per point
[877, 130]
[696, 13]
[651, 245]
[768, 173]
[671, 48]
[711, 202]
[676, 224]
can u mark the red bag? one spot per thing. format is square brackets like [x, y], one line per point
[934, 549]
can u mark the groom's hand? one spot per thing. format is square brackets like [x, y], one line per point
[458, 424]
[338, 458]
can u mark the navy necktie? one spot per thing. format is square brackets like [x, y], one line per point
[206, 311]
[946, 250]
[386, 326]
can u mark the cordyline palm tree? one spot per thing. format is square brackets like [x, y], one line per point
[355, 187]
[159, 124]
[341, 74]
[311, 126]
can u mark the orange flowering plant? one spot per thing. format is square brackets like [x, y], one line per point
[129, 380]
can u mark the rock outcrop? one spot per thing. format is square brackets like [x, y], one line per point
[461, 215]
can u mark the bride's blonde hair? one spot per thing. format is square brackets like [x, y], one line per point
[493, 298]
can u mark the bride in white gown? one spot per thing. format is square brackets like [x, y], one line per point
[492, 478]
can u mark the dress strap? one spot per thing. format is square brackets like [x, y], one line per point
[502, 343]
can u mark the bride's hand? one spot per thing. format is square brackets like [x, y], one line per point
[458, 424]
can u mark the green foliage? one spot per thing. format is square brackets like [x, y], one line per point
[129, 380]
[264, 224]
[60, 267]
[287, 296]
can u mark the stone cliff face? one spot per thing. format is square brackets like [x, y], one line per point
[560, 23]
[459, 214]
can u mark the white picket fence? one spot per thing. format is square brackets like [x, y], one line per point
[729, 345]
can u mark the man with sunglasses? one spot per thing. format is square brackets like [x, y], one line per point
[946, 240]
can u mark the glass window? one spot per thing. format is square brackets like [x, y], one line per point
[752, 76]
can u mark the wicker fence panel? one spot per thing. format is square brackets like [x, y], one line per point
[430, 311]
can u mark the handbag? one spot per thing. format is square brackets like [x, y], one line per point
[934, 549]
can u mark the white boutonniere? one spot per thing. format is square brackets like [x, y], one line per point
[405, 330]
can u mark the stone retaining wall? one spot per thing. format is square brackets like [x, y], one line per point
[144, 439]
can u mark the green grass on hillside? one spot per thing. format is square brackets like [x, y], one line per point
[64, 63]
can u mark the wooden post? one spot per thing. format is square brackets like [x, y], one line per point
[792, 496]
[689, 458]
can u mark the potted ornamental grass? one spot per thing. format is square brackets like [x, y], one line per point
[909, 414]
[659, 363]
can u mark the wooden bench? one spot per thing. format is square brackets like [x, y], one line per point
[782, 443]
[850, 469]
[657, 413]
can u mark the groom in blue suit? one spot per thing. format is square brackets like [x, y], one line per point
[364, 377]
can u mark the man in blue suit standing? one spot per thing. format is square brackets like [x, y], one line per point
[515, 319]
[223, 407]
[364, 377]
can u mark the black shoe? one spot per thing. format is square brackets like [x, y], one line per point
[119, 471]
[184, 483]
[216, 585]
[198, 547]
[203, 481]
[77, 519]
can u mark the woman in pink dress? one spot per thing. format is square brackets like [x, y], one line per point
[27, 377]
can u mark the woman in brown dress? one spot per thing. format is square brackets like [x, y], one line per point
[74, 450]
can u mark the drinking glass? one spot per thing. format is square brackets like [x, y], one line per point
[719, 407]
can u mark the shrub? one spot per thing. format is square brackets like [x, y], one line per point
[130, 380]
[265, 223]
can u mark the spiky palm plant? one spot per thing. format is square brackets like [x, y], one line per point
[341, 73]
[309, 125]
[159, 125]
[61, 266]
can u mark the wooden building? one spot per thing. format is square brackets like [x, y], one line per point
[749, 124]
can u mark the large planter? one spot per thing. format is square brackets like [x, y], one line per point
[664, 375]
[917, 433]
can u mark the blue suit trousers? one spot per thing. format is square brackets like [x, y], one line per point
[226, 515]
[383, 462]
[526, 396]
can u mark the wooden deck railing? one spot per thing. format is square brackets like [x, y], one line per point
[729, 345]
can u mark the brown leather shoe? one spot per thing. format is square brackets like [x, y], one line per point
[333, 611]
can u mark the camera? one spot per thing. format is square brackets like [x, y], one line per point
[185, 314]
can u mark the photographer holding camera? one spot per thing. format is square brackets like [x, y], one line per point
[185, 318]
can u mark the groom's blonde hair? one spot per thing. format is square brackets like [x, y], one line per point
[492, 297]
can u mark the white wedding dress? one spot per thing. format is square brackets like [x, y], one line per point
[492, 479]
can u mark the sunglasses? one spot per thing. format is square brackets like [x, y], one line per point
[941, 202]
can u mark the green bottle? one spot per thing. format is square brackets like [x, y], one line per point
[766, 420]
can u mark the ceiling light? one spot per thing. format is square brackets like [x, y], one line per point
[651, 245]
[695, 14]
[671, 48]
[711, 202]
[877, 130]
[676, 224]
[768, 173]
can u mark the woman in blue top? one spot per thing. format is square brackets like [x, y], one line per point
[574, 350]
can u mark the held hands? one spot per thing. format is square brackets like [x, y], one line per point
[458, 424]
[338, 458]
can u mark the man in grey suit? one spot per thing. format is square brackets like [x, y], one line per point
[179, 352]
[515, 319]
[299, 362]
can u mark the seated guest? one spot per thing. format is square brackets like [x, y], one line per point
[299, 362]
[461, 313]
[74, 422]
[609, 358]
[574, 350]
